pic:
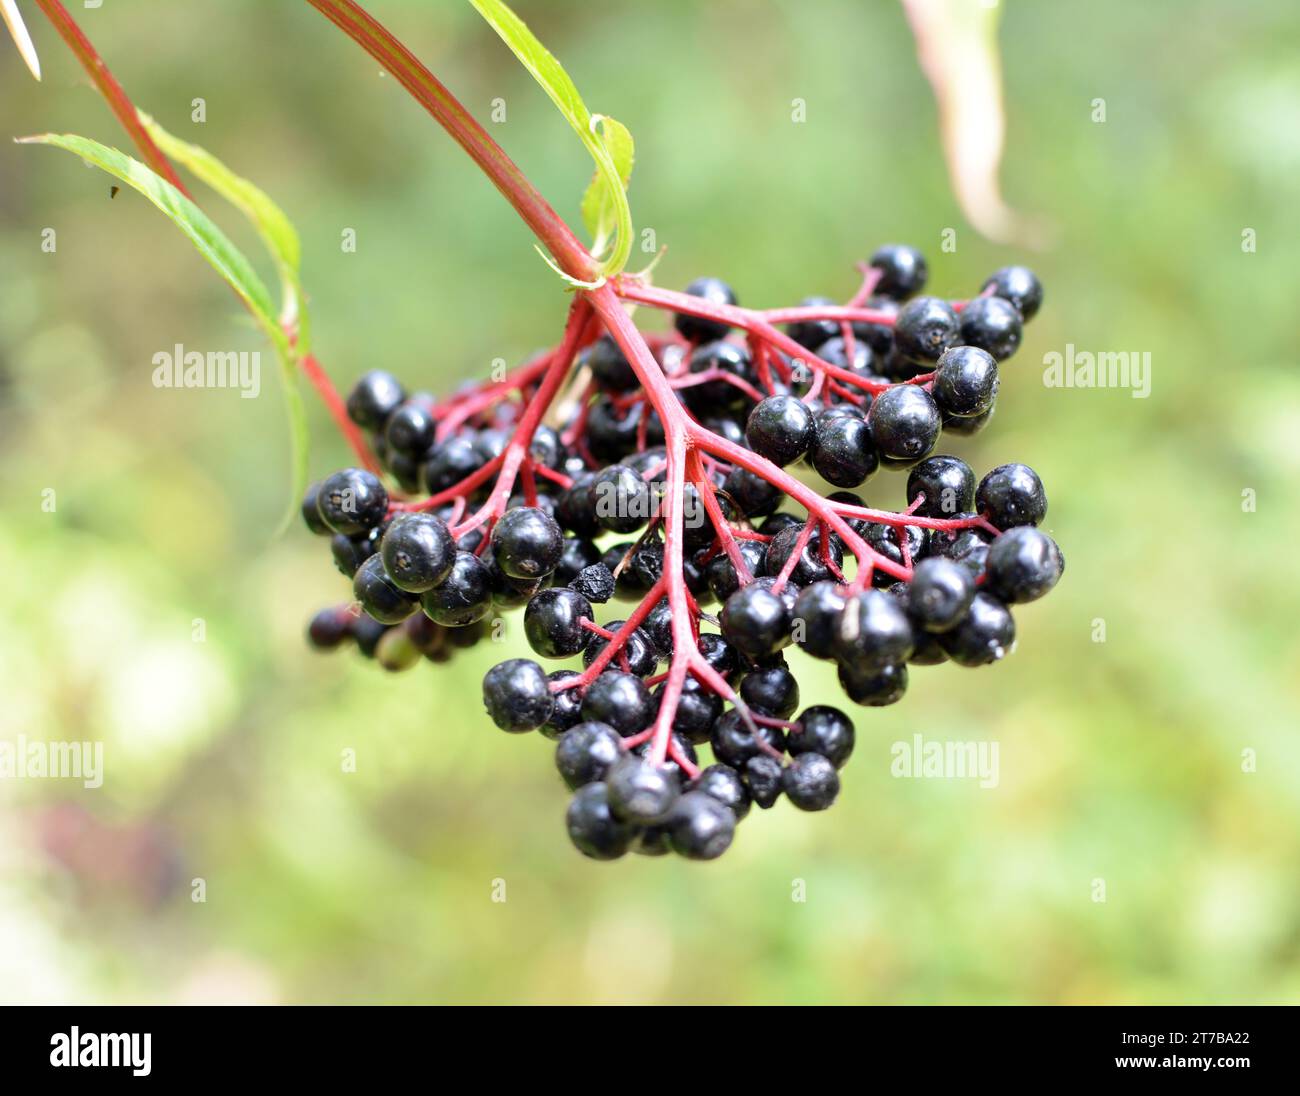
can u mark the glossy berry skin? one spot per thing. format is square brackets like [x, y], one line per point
[723, 783]
[992, 324]
[823, 730]
[984, 635]
[640, 652]
[1020, 286]
[567, 711]
[734, 743]
[351, 552]
[700, 827]
[940, 594]
[780, 428]
[620, 499]
[810, 566]
[352, 501]
[903, 271]
[762, 779]
[311, 512]
[756, 621]
[578, 554]
[1010, 495]
[717, 652]
[367, 632]
[526, 543]
[965, 381]
[874, 686]
[373, 398]
[925, 328]
[813, 333]
[888, 540]
[379, 596]
[718, 396]
[464, 596]
[947, 483]
[418, 551]
[619, 699]
[904, 423]
[753, 494]
[639, 792]
[697, 712]
[593, 829]
[451, 462]
[771, 691]
[517, 695]
[409, 429]
[1023, 564]
[552, 622]
[715, 291]
[586, 752]
[816, 618]
[610, 367]
[843, 453]
[721, 572]
[873, 631]
[811, 782]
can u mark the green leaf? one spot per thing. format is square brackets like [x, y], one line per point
[548, 72]
[599, 206]
[274, 228]
[226, 259]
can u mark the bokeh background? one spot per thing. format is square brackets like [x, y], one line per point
[1125, 764]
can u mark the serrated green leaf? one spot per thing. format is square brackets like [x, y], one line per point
[274, 228]
[226, 259]
[548, 72]
[599, 206]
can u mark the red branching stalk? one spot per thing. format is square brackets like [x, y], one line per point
[110, 89]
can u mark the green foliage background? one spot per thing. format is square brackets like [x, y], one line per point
[1121, 761]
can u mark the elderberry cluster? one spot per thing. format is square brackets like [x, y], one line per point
[584, 529]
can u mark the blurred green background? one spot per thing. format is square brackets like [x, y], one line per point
[1121, 761]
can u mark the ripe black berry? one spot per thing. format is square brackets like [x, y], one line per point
[700, 827]
[640, 652]
[517, 695]
[723, 783]
[349, 553]
[904, 423]
[311, 512]
[639, 792]
[734, 743]
[464, 596]
[925, 328]
[873, 631]
[812, 333]
[965, 381]
[762, 779]
[330, 628]
[409, 429]
[902, 271]
[552, 622]
[619, 699]
[451, 462]
[374, 397]
[352, 501]
[1012, 494]
[1020, 286]
[843, 453]
[811, 782]
[811, 567]
[567, 712]
[756, 621]
[874, 686]
[771, 691]
[940, 595]
[947, 483]
[609, 366]
[780, 429]
[823, 730]
[379, 595]
[527, 543]
[593, 829]
[985, 634]
[816, 618]
[586, 752]
[992, 324]
[715, 291]
[620, 499]
[721, 572]
[418, 551]
[1023, 564]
